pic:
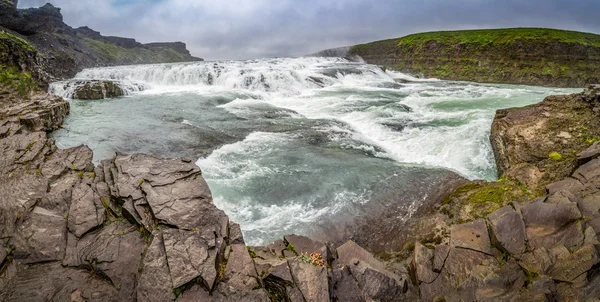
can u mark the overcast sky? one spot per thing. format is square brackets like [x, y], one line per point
[243, 29]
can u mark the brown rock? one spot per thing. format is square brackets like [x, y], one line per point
[472, 236]
[508, 230]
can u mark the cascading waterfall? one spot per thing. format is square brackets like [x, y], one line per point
[286, 144]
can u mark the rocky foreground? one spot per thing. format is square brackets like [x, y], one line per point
[140, 228]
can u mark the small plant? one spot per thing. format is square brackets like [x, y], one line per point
[80, 174]
[141, 181]
[555, 156]
[251, 252]
[290, 247]
[315, 259]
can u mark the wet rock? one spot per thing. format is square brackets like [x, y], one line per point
[472, 236]
[97, 90]
[508, 230]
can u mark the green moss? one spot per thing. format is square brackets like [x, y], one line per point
[535, 56]
[555, 156]
[138, 54]
[14, 39]
[20, 81]
[290, 247]
[251, 252]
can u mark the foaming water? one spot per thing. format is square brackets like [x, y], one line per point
[286, 144]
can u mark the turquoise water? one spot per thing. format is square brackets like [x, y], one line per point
[286, 144]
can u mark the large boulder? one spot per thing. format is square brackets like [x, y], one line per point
[96, 90]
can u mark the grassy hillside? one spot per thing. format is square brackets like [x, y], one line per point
[535, 56]
[15, 54]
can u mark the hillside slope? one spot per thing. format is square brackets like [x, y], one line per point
[533, 56]
[67, 50]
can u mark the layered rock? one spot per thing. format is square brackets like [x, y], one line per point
[538, 144]
[97, 90]
[67, 51]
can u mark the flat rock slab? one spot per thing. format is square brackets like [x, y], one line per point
[305, 245]
[575, 264]
[588, 171]
[590, 153]
[568, 184]
[311, 280]
[188, 257]
[552, 215]
[240, 274]
[155, 283]
[472, 236]
[508, 230]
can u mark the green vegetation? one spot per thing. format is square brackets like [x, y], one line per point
[555, 156]
[251, 252]
[478, 199]
[117, 53]
[486, 37]
[536, 56]
[290, 247]
[6, 38]
[20, 81]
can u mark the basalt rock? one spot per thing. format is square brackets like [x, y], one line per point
[97, 90]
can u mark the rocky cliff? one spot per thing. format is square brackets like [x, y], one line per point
[67, 50]
[532, 56]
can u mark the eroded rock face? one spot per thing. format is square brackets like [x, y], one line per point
[524, 138]
[97, 90]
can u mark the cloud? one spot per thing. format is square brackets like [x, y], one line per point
[242, 29]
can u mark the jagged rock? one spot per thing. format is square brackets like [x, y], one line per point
[472, 235]
[115, 251]
[568, 184]
[590, 153]
[440, 255]
[190, 256]
[86, 210]
[311, 280]
[372, 279]
[550, 215]
[41, 237]
[590, 206]
[538, 261]
[155, 283]
[240, 274]
[507, 230]
[305, 245]
[422, 264]
[97, 90]
[573, 265]
[64, 282]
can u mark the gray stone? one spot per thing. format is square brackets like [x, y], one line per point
[549, 215]
[591, 152]
[41, 237]
[311, 280]
[568, 184]
[240, 274]
[588, 171]
[422, 264]
[472, 236]
[86, 210]
[537, 261]
[189, 256]
[570, 235]
[440, 255]
[574, 265]
[590, 206]
[155, 281]
[305, 245]
[508, 230]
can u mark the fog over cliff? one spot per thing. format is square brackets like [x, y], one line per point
[237, 29]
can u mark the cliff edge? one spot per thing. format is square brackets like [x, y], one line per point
[67, 51]
[531, 56]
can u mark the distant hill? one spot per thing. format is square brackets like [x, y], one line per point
[66, 50]
[534, 56]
